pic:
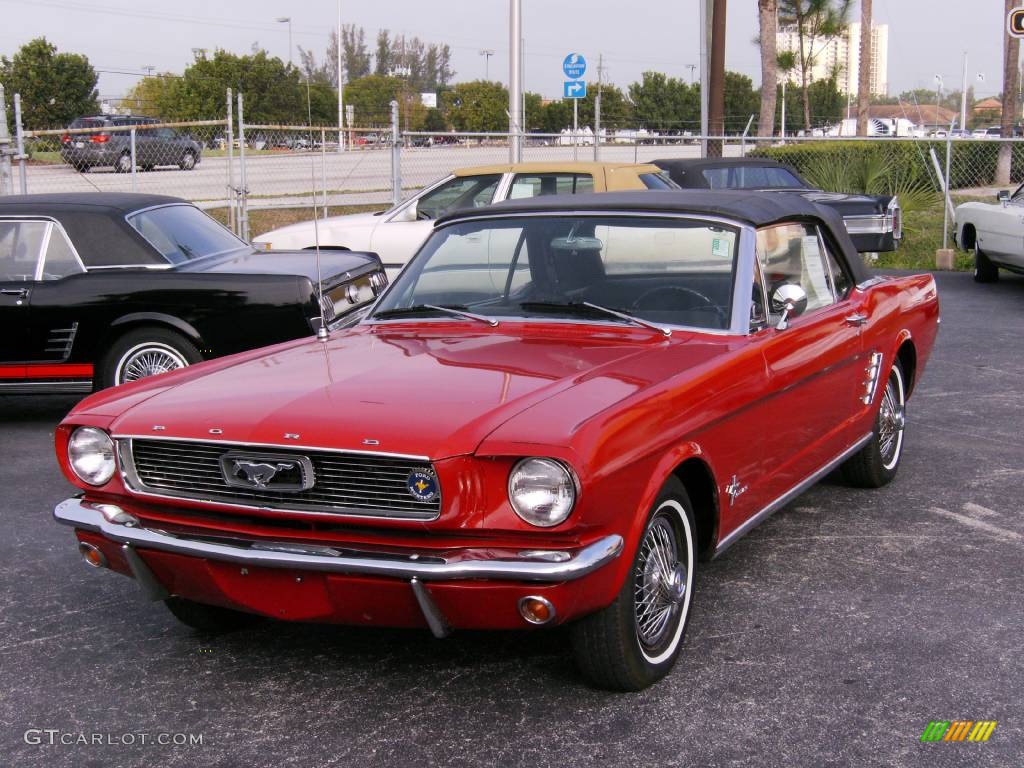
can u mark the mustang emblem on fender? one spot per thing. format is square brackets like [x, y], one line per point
[259, 473]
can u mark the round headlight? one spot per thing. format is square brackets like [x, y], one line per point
[91, 455]
[542, 491]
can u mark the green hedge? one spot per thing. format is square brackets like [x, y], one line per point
[973, 163]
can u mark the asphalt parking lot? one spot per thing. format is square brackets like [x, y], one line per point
[830, 636]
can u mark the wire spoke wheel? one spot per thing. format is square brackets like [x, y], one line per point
[148, 360]
[891, 421]
[660, 583]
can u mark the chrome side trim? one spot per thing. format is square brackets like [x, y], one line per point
[788, 496]
[86, 516]
[873, 280]
[289, 446]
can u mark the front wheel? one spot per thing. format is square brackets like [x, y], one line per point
[146, 352]
[984, 270]
[876, 463]
[123, 164]
[635, 641]
[187, 162]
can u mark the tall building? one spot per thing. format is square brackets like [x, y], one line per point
[842, 54]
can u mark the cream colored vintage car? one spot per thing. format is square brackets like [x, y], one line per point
[395, 234]
[995, 232]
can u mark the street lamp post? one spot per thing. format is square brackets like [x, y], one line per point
[487, 53]
[287, 20]
[938, 94]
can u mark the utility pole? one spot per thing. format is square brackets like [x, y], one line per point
[597, 108]
[705, 85]
[515, 81]
[963, 96]
[341, 87]
[716, 79]
[487, 53]
[692, 68]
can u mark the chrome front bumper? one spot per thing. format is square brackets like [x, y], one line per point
[531, 565]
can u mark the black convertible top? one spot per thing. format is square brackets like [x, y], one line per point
[755, 208]
[699, 163]
[44, 205]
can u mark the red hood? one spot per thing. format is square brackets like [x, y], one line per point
[428, 389]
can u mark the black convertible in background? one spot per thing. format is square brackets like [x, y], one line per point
[874, 222]
[98, 289]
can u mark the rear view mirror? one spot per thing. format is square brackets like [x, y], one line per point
[1003, 196]
[409, 213]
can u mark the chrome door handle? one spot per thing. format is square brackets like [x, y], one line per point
[857, 320]
[21, 293]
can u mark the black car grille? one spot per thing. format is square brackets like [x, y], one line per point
[343, 483]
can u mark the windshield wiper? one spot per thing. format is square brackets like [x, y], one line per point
[578, 306]
[456, 310]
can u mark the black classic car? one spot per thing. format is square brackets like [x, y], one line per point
[98, 289]
[874, 222]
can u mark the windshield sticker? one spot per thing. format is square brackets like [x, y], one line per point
[720, 248]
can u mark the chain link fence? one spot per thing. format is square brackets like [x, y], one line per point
[291, 172]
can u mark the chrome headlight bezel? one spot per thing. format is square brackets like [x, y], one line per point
[563, 494]
[91, 444]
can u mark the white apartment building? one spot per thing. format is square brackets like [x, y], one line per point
[843, 54]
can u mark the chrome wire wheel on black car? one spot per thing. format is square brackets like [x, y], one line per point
[636, 640]
[876, 463]
[146, 352]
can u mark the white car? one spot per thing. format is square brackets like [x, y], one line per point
[995, 231]
[396, 234]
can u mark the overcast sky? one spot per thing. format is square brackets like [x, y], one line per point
[121, 37]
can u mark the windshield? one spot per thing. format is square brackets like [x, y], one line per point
[662, 270]
[752, 177]
[183, 233]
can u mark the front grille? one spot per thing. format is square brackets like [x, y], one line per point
[344, 483]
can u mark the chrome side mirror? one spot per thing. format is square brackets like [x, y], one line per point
[409, 213]
[791, 301]
[1003, 196]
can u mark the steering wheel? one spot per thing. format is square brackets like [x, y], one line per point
[706, 302]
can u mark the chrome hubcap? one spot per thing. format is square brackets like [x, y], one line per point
[149, 361]
[660, 582]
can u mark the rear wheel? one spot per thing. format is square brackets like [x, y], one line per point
[984, 270]
[876, 463]
[146, 352]
[187, 162]
[208, 618]
[636, 640]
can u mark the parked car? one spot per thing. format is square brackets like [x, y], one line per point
[551, 414]
[99, 289]
[874, 222]
[108, 143]
[995, 232]
[396, 233]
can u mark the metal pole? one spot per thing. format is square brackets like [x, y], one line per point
[232, 197]
[743, 138]
[963, 96]
[396, 157]
[341, 107]
[515, 80]
[597, 109]
[949, 203]
[323, 166]
[6, 177]
[19, 131]
[243, 213]
[705, 72]
[135, 180]
[575, 128]
[782, 128]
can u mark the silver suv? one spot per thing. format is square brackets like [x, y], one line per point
[110, 144]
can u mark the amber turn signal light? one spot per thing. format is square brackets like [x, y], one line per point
[536, 610]
[92, 555]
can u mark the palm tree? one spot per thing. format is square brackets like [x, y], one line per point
[813, 21]
[864, 76]
[768, 13]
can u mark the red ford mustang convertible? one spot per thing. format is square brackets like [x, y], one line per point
[554, 412]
